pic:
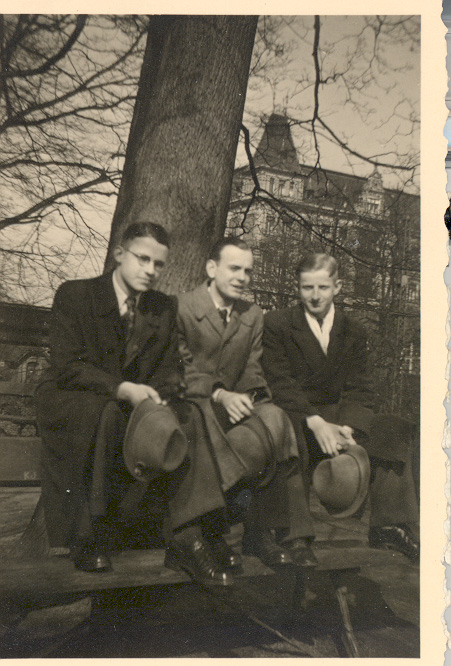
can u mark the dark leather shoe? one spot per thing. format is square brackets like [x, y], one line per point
[224, 555]
[262, 545]
[198, 561]
[92, 560]
[395, 537]
[301, 553]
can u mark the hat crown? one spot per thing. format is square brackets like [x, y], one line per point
[341, 482]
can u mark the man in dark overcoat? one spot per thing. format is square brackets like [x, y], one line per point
[220, 344]
[113, 345]
[315, 359]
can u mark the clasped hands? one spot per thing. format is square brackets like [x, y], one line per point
[237, 405]
[331, 437]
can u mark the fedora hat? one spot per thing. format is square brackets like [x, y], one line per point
[243, 451]
[342, 482]
[153, 442]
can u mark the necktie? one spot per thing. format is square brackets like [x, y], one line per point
[223, 315]
[129, 316]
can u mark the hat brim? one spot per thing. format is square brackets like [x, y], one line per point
[360, 456]
[157, 424]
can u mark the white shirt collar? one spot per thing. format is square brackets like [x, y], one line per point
[321, 333]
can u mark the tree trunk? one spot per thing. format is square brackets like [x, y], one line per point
[181, 150]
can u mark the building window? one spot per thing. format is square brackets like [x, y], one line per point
[413, 292]
[411, 360]
[30, 372]
[271, 185]
[372, 205]
[271, 223]
[363, 282]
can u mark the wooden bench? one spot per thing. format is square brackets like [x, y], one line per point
[30, 579]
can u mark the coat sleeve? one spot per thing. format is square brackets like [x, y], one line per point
[286, 390]
[358, 385]
[167, 378]
[252, 377]
[69, 356]
[199, 384]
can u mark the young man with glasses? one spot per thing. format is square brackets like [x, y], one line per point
[113, 345]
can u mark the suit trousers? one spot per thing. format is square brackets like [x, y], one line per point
[185, 494]
[279, 498]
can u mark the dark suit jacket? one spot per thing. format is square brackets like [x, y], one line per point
[301, 376]
[89, 359]
[304, 381]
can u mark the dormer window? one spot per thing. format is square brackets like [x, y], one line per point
[372, 205]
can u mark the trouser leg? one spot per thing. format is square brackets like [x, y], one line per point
[392, 494]
[194, 489]
[282, 504]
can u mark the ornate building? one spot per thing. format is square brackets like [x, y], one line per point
[285, 209]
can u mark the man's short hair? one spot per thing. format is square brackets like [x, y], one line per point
[144, 230]
[215, 252]
[317, 261]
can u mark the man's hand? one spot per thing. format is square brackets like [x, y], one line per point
[347, 433]
[237, 405]
[136, 393]
[332, 438]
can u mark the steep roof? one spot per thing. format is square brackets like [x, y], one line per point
[276, 148]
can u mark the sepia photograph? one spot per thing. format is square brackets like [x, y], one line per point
[210, 251]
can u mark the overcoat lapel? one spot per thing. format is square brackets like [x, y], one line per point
[205, 308]
[214, 318]
[240, 317]
[339, 339]
[107, 310]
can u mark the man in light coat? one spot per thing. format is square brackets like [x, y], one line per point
[220, 344]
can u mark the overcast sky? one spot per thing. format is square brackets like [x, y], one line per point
[380, 120]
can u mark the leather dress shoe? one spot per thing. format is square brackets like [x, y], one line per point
[263, 545]
[301, 553]
[224, 555]
[197, 560]
[395, 537]
[92, 560]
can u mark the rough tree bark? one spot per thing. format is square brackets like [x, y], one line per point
[181, 152]
[182, 145]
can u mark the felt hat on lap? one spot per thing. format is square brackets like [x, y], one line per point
[153, 442]
[342, 482]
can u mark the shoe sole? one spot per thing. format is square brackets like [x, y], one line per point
[174, 565]
[393, 549]
[275, 565]
[97, 570]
